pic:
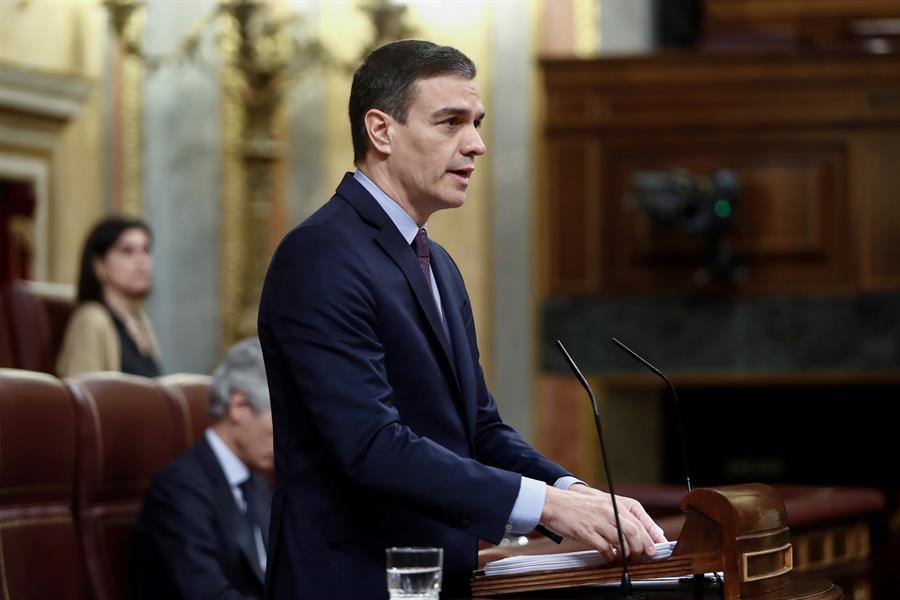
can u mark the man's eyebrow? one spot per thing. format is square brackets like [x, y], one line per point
[451, 111]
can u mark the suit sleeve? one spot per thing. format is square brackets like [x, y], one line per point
[319, 311]
[496, 443]
[178, 520]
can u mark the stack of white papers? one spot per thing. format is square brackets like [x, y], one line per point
[528, 563]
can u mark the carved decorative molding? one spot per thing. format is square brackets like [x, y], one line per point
[51, 96]
[28, 146]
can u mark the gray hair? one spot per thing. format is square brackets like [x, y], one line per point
[242, 370]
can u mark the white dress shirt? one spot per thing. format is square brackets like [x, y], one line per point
[236, 473]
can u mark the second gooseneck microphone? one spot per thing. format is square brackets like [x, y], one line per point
[626, 578]
[684, 455]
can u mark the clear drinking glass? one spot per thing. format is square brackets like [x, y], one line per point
[414, 573]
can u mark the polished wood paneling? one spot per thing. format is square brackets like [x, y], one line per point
[815, 141]
[792, 230]
[880, 227]
[749, 11]
[574, 179]
[821, 24]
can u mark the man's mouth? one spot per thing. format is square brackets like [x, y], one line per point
[462, 175]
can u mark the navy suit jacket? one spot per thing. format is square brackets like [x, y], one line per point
[385, 433]
[191, 540]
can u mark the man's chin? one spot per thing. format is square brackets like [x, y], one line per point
[455, 199]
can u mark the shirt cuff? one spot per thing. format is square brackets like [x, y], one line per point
[526, 512]
[564, 483]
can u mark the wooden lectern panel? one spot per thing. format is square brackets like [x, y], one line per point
[740, 531]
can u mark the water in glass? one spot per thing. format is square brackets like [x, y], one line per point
[414, 582]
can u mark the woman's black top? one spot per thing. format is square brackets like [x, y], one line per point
[133, 361]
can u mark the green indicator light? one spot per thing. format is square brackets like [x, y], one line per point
[722, 208]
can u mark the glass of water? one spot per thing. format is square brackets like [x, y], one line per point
[414, 573]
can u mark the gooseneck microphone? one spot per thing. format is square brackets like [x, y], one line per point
[626, 577]
[684, 455]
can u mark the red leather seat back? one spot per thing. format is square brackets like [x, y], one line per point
[39, 551]
[7, 354]
[190, 392]
[37, 325]
[128, 431]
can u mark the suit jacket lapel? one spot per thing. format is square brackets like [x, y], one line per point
[227, 509]
[390, 240]
[451, 302]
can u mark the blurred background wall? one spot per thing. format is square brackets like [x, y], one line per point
[599, 112]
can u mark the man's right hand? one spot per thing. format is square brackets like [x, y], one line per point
[586, 515]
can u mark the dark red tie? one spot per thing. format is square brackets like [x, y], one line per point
[420, 245]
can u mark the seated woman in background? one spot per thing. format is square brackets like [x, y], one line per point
[109, 331]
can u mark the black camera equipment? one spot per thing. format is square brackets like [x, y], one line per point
[698, 205]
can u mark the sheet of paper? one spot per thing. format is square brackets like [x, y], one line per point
[528, 563]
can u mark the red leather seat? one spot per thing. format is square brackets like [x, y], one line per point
[39, 551]
[7, 354]
[128, 431]
[37, 324]
[190, 392]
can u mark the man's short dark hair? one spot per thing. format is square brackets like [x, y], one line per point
[386, 80]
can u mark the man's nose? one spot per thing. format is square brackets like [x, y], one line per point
[473, 145]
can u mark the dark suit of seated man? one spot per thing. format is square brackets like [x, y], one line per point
[203, 528]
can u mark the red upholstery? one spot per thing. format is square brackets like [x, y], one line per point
[37, 324]
[128, 430]
[7, 354]
[190, 393]
[39, 554]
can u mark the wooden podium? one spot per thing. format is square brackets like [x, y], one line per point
[739, 530]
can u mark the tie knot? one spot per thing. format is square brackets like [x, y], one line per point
[420, 244]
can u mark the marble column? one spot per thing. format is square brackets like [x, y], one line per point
[182, 175]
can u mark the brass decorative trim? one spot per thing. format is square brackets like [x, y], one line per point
[132, 135]
[232, 234]
[131, 105]
[787, 563]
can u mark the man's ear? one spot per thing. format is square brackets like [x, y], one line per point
[378, 125]
[238, 405]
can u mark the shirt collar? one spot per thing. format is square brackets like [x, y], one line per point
[401, 219]
[235, 471]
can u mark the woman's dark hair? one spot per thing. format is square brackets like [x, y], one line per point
[103, 236]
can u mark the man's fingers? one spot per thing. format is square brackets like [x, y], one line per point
[636, 538]
[601, 545]
[654, 534]
[587, 516]
[657, 535]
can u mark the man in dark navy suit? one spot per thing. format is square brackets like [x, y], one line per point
[203, 526]
[385, 433]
